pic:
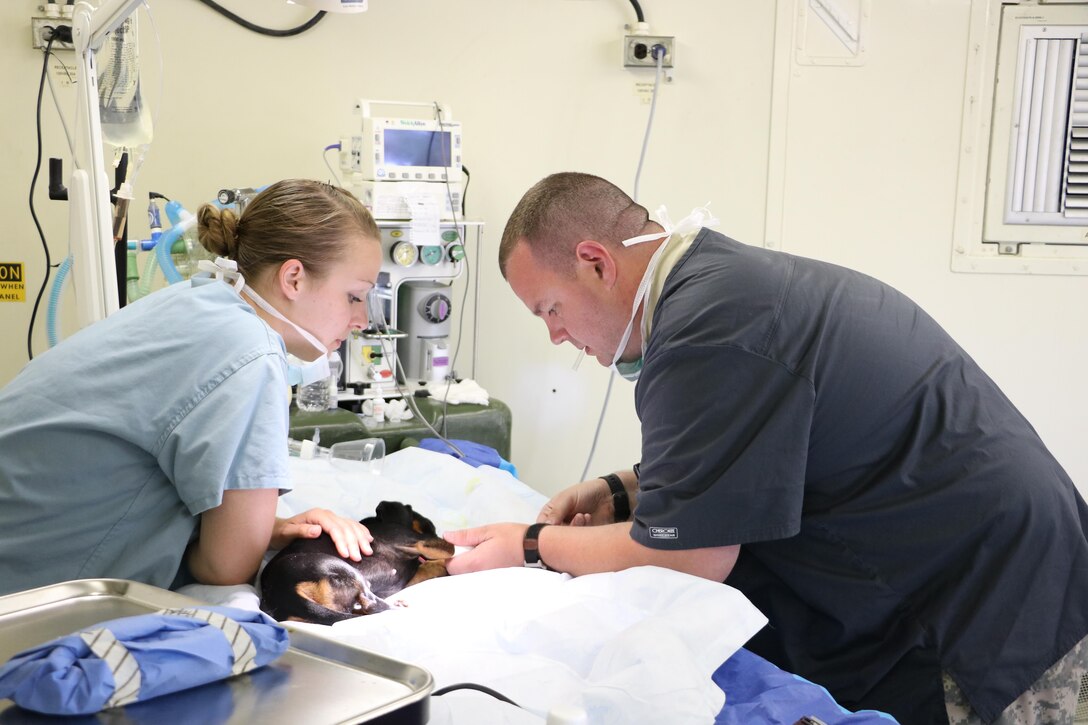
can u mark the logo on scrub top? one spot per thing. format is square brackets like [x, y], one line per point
[664, 532]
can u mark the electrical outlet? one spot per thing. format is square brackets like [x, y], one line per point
[638, 50]
[39, 27]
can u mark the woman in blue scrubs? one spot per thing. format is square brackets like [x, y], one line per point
[152, 445]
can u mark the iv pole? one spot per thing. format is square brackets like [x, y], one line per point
[89, 221]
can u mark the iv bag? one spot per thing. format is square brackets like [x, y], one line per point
[126, 119]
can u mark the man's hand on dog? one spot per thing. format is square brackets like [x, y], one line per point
[352, 539]
[494, 546]
[587, 503]
[584, 504]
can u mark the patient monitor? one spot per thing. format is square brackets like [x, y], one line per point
[404, 156]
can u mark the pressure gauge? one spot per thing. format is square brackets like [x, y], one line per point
[405, 254]
[431, 254]
[436, 308]
[450, 235]
[455, 251]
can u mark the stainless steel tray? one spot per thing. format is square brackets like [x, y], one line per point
[317, 680]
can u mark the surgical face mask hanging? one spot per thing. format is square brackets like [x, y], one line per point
[698, 218]
[304, 374]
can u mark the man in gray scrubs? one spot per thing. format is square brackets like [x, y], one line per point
[815, 439]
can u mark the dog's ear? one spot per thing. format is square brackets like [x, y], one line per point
[309, 610]
[431, 549]
[319, 592]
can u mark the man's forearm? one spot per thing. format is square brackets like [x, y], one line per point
[589, 550]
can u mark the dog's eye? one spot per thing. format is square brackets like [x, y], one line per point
[356, 607]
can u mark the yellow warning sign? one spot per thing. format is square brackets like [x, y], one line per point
[12, 282]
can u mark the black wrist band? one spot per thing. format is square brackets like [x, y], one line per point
[620, 501]
[531, 546]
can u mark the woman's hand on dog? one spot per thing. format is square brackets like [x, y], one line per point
[351, 538]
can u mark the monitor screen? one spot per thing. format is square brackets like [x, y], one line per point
[410, 147]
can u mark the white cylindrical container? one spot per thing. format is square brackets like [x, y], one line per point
[567, 715]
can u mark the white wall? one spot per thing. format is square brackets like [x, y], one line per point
[868, 179]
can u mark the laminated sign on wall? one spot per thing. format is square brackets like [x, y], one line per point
[12, 282]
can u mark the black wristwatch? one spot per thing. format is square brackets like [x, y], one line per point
[532, 547]
[621, 504]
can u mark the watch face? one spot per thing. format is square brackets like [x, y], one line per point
[405, 254]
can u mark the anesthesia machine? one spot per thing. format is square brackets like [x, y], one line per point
[408, 172]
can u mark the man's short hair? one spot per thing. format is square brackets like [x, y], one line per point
[566, 208]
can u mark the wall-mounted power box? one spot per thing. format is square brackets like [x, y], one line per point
[641, 51]
[40, 27]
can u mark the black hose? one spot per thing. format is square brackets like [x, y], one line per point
[267, 31]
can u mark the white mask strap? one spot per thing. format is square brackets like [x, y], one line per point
[225, 270]
[663, 220]
[249, 292]
[698, 218]
[640, 294]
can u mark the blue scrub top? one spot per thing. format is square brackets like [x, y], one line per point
[113, 442]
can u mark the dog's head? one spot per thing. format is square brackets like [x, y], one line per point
[340, 587]
[397, 528]
[309, 581]
[318, 588]
[401, 514]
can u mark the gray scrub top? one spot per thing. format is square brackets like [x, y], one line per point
[897, 516]
[113, 442]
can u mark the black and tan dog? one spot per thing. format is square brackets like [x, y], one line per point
[308, 581]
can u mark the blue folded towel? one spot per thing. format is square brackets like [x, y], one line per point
[137, 658]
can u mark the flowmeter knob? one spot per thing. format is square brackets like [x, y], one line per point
[436, 308]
